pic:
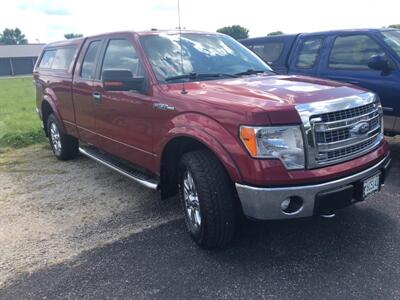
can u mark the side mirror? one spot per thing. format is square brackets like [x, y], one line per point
[121, 80]
[379, 62]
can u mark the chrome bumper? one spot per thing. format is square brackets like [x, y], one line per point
[265, 203]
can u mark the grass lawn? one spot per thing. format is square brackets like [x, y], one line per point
[19, 124]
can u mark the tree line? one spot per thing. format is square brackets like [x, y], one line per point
[16, 37]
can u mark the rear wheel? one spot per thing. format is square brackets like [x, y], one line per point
[64, 146]
[208, 199]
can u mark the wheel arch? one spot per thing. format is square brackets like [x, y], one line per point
[184, 140]
[48, 107]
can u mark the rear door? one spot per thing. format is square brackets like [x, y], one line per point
[306, 55]
[271, 52]
[61, 85]
[124, 118]
[83, 85]
[347, 61]
[275, 50]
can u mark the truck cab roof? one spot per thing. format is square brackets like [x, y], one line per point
[77, 41]
[318, 33]
[360, 30]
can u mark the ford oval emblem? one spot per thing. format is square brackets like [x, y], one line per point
[360, 129]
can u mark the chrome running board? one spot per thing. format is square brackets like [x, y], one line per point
[116, 165]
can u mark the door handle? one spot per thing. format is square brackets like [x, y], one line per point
[162, 106]
[96, 97]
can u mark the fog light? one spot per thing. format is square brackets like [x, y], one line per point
[292, 205]
[285, 204]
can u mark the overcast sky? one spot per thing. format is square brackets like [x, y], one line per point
[48, 20]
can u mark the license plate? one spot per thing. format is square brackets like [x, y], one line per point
[371, 186]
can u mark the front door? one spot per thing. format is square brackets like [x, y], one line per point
[348, 61]
[123, 118]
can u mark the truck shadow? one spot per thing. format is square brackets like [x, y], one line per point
[353, 227]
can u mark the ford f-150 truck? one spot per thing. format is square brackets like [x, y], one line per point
[369, 58]
[199, 115]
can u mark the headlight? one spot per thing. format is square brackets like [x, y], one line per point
[282, 142]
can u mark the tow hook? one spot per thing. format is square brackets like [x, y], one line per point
[328, 216]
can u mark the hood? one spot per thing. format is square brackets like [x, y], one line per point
[253, 98]
[267, 91]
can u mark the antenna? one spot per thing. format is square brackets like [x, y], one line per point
[180, 45]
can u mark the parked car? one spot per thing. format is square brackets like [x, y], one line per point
[199, 115]
[369, 58]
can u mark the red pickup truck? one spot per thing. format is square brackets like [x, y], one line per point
[199, 115]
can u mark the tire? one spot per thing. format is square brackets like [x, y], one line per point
[64, 146]
[206, 191]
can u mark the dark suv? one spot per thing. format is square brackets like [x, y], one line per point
[369, 58]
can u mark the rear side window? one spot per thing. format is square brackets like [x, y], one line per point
[121, 54]
[47, 59]
[63, 58]
[353, 52]
[88, 64]
[309, 53]
[269, 52]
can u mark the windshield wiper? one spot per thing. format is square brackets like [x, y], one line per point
[251, 72]
[199, 76]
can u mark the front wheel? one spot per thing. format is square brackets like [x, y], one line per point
[208, 199]
[64, 146]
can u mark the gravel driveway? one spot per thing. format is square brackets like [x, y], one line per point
[51, 211]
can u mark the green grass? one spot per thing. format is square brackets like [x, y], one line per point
[19, 124]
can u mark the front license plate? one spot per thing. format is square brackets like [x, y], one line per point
[371, 186]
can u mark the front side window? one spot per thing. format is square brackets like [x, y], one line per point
[47, 59]
[201, 54]
[63, 58]
[309, 53]
[89, 61]
[269, 52]
[121, 55]
[392, 38]
[353, 52]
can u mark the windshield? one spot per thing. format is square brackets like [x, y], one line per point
[201, 54]
[392, 38]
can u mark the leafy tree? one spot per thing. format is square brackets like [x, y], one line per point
[275, 33]
[397, 26]
[69, 36]
[12, 37]
[236, 31]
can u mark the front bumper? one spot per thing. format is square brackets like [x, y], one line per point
[265, 203]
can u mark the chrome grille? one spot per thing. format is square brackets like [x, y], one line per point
[347, 114]
[343, 133]
[341, 129]
[350, 149]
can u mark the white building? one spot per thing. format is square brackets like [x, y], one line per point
[18, 59]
